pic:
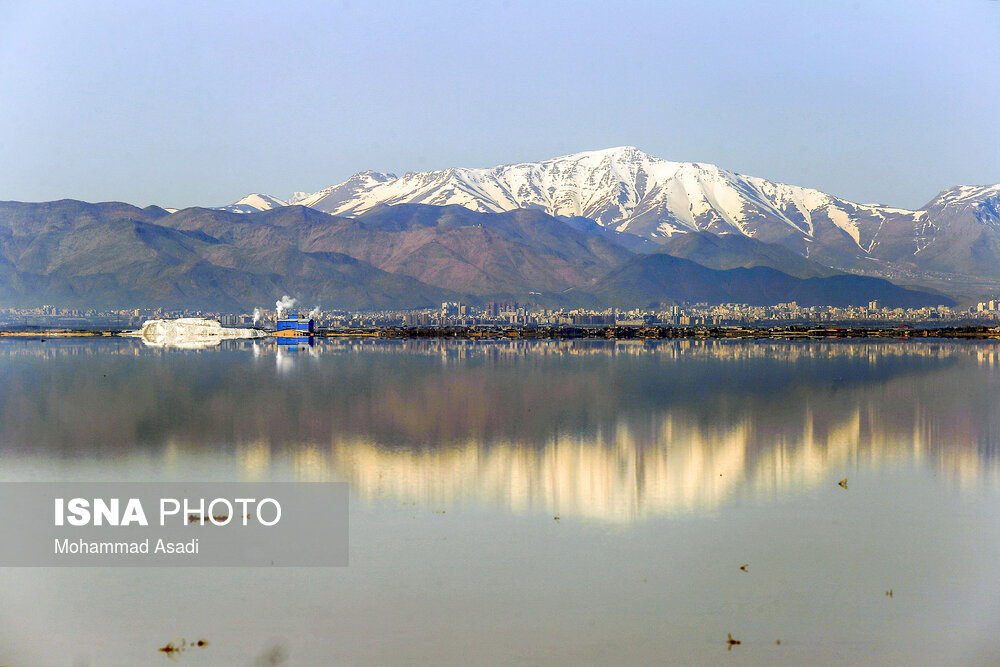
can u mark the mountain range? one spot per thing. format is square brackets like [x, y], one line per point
[113, 255]
[615, 227]
[658, 278]
[953, 239]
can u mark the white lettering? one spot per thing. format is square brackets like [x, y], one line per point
[189, 511]
[79, 509]
[163, 509]
[243, 502]
[134, 513]
[104, 512]
[217, 517]
[260, 511]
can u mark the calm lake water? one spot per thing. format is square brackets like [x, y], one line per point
[669, 465]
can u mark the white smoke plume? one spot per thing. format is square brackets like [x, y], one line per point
[314, 312]
[283, 304]
[257, 312]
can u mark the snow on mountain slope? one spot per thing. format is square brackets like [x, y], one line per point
[627, 190]
[255, 202]
[965, 195]
[622, 188]
[981, 202]
[356, 186]
[960, 231]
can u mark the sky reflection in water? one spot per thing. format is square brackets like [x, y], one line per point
[669, 465]
[613, 431]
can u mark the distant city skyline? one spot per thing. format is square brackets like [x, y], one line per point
[189, 103]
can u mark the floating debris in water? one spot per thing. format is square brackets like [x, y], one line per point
[842, 483]
[178, 646]
[197, 518]
[556, 517]
[889, 593]
[215, 518]
[733, 642]
[778, 642]
[744, 567]
[173, 648]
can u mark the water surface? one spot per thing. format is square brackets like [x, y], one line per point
[669, 465]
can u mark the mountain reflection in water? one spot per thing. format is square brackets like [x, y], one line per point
[616, 431]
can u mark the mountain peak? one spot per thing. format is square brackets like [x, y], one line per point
[627, 190]
[255, 202]
[616, 155]
[613, 152]
[370, 175]
[964, 195]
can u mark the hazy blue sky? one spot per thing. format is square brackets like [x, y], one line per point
[184, 103]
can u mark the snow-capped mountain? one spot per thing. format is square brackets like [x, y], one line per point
[255, 202]
[960, 232]
[980, 201]
[356, 187]
[629, 191]
[622, 188]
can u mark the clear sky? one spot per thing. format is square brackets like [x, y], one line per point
[198, 103]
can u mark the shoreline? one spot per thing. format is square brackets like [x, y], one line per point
[55, 333]
[675, 332]
[606, 333]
